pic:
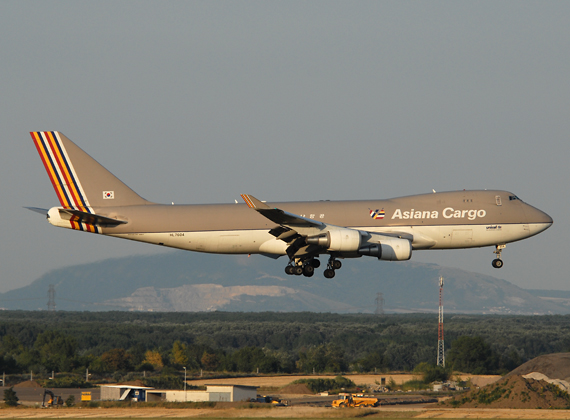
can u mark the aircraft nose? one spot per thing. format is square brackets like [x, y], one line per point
[538, 220]
[541, 217]
[547, 218]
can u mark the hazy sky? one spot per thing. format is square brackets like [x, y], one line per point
[197, 102]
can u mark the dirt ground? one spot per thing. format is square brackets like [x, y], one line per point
[281, 381]
[285, 413]
[295, 389]
[295, 412]
[28, 384]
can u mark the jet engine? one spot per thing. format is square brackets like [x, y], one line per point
[339, 240]
[388, 249]
[350, 241]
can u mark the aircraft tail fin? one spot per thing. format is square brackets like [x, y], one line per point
[79, 181]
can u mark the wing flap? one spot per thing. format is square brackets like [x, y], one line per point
[284, 234]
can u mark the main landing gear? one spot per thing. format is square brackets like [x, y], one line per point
[332, 265]
[307, 267]
[498, 262]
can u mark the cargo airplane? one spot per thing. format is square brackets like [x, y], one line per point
[94, 200]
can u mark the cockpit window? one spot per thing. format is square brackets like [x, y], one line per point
[513, 197]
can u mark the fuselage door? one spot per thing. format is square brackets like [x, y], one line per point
[498, 200]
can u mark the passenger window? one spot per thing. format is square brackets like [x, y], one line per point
[498, 200]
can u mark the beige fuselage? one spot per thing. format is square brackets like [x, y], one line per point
[460, 219]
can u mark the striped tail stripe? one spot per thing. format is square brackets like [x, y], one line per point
[62, 176]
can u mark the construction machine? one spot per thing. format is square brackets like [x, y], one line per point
[54, 400]
[349, 400]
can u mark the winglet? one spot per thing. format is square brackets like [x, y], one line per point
[278, 216]
[254, 203]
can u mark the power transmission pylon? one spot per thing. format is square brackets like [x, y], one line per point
[379, 304]
[440, 345]
[51, 298]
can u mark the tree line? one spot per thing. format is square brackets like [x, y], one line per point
[109, 342]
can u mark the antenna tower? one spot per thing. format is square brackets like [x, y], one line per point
[379, 304]
[51, 298]
[440, 346]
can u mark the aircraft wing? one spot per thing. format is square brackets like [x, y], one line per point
[281, 217]
[292, 229]
[310, 237]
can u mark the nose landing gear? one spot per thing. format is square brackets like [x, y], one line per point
[498, 262]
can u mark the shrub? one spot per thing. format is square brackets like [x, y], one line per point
[414, 384]
[70, 401]
[10, 397]
[391, 385]
[165, 382]
[321, 384]
[66, 382]
[432, 373]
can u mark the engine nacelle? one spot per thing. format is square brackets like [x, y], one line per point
[388, 249]
[340, 240]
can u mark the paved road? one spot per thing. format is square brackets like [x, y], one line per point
[322, 401]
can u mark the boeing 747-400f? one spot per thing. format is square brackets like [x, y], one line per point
[94, 200]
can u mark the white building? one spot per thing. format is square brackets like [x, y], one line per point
[216, 392]
[123, 392]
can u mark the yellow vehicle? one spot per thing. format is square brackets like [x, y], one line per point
[349, 400]
[54, 400]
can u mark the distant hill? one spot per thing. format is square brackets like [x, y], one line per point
[558, 297]
[185, 281]
[562, 294]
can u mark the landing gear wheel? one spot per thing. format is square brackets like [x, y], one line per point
[289, 269]
[497, 263]
[336, 264]
[308, 270]
[315, 263]
[298, 270]
[329, 273]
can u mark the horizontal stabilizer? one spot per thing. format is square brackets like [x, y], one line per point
[90, 219]
[38, 210]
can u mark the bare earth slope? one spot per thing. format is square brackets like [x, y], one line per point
[555, 366]
[514, 391]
